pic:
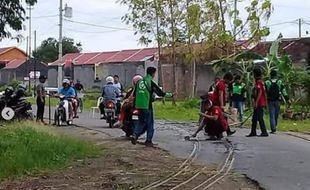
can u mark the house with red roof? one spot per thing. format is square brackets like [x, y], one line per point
[14, 64]
[93, 68]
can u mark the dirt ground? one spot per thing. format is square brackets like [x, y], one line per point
[124, 166]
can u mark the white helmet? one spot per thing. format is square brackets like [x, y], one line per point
[65, 81]
[109, 79]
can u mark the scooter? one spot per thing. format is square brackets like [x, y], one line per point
[62, 112]
[130, 122]
[110, 111]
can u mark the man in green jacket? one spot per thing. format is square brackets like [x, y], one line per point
[238, 95]
[275, 91]
[143, 99]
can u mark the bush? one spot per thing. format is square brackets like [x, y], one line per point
[25, 149]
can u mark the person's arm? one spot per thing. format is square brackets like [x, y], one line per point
[118, 94]
[244, 92]
[212, 117]
[159, 92]
[284, 92]
[259, 94]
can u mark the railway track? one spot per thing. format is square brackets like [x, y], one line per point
[198, 180]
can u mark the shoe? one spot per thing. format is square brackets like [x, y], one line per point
[212, 138]
[76, 117]
[273, 132]
[231, 133]
[219, 137]
[251, 135]
[134, 139]
[149, 144]
[103, 117]
[264, 135]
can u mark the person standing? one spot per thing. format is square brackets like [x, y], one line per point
[212, 87]
[238, 96]
[143, 102]
[120, 87]
[275, 90]
[260, 103]
[41, 98]
[218, 97]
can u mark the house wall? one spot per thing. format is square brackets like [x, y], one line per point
[12, 54]
[6, 75]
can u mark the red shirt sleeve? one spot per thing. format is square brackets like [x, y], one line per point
[221, 86]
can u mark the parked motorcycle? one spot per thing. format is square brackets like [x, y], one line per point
[130, 122]
[62, 111]
[16, 101]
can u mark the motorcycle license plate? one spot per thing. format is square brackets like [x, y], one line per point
[109, 110]
[134, 117]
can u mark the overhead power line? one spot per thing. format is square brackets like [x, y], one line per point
[96, 32]
[100, 26]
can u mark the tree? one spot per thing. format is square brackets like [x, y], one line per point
[48, 50]
[12, 15]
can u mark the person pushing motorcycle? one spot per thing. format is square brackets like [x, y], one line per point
[69, 94]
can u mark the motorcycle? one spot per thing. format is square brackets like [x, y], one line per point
[62, 112]
[110, 111]
[16, 101]
[130, 122]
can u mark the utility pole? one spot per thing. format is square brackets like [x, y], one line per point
[60, 46]
[299, 24]
[235, 17]
[35, 64]
[29, 43]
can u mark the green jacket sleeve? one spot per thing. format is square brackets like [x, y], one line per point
[159, 92]
[283, 90]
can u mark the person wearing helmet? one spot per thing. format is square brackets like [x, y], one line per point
[41, 98]
[214, 121]
[109, 93]
[74, 101]
[125, 109]
[69, 94]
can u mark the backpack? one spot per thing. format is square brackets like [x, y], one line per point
[273, 92]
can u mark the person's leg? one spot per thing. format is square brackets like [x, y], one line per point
[42, 110]
[150, 128]
[118, 107]
[70, 107]
[142, 118]
[240, 110]
[101, 107]
[261, 121]
[272, 110]
[254, 124]
[74, 107]
[38, 101]
[229, 132]
[277, 112]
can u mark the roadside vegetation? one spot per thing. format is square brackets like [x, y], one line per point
[27, 148]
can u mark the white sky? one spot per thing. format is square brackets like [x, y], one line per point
[108, 13]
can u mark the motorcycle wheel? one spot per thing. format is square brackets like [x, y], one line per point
[59, 118]
[110, 121]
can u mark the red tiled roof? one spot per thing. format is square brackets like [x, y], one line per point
[142, 54]
[69, 56]
[101, 57]
[83, 58]
[15, 63]
[2, 50]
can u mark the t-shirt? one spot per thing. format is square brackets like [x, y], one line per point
[214, 97]
[215, 110]
[259, 85]
[119, 87]
[40, 87]
[67, 93]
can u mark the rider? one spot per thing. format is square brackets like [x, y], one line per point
[128, 101]
[69, 94]
[214, 121]
[78, 87]
[109, 93]
[74, 101]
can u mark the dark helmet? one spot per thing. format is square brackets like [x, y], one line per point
[9, 91]
[22, 86]
[41, 77]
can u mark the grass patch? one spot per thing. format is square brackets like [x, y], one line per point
[27, 148]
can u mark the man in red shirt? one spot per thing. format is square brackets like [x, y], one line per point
[218, 97]
[214, 121]
[260, 103]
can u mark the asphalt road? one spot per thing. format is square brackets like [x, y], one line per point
[277, 162]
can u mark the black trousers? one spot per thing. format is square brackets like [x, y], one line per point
[214, 128]
[40, 108]
[258, 117]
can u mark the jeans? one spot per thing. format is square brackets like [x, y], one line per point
[258, 116]
[239, 105]
[146, 117]
[202, 110]
[274, 110]
[40, 109]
